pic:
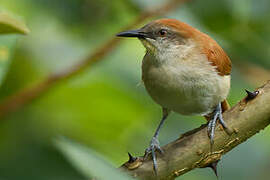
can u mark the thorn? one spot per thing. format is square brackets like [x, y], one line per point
[213, 166]
[131, 158]
[251, 95]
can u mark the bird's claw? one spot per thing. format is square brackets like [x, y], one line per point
[154, 145]
[212, 123]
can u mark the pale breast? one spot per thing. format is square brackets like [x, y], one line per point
[189, 87]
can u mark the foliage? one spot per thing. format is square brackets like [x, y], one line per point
[89, 162]
[10, 25]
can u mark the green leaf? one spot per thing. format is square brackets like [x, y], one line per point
[10, 25]
[7, 43]
[88, 162]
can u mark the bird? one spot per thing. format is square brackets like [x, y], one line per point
[184, 71]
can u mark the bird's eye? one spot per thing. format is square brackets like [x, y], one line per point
[162, 32]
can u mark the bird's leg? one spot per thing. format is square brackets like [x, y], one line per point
[217, 115]
[154, 143]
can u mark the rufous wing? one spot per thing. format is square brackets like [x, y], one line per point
[216, 55]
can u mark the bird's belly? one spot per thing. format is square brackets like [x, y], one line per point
[186, 90]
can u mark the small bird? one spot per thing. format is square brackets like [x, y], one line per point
[184, 71]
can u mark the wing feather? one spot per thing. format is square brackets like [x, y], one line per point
[216, 56]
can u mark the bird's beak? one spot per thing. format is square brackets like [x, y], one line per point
[133, 33]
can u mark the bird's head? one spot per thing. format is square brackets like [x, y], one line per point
[163, 35]
[170, 38]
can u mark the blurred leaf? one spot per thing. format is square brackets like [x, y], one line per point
[9, 25]
[7, 42]
[88, 162]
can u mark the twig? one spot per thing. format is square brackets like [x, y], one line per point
[26, 95]
[192, 150]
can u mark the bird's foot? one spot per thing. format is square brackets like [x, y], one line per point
[217, 115]
[154, 145]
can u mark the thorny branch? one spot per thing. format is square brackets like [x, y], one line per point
[26, 95]
[192, 149]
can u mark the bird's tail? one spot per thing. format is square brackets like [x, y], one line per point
[225, 105]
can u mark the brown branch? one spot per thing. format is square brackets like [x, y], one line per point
[26, 95]
[192, 150]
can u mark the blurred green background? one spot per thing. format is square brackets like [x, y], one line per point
[106, 107]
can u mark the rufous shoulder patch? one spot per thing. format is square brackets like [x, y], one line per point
[216, 55]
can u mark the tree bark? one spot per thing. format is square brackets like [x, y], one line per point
[192, 149]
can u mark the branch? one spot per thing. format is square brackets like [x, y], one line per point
[192, 149]
[26, 95]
